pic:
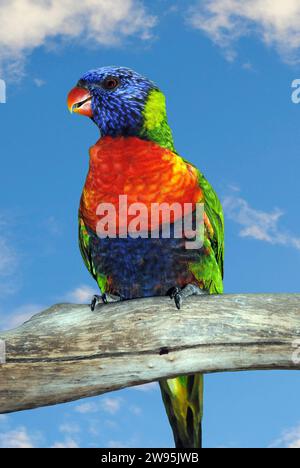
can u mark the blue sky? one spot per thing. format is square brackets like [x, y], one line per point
[227, 71]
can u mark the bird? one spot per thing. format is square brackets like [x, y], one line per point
[135, 158]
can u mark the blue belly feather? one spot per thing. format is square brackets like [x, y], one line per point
[142, 267]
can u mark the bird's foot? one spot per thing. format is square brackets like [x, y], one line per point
[104, 299]
[178, 294]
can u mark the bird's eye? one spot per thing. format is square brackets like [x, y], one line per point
[111, 83]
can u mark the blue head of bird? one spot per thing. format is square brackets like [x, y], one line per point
[115, 98]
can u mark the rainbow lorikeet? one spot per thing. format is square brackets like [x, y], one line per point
[136, 157]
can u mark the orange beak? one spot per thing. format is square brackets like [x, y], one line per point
[80, 101]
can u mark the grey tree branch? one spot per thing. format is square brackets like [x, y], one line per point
[68, 352]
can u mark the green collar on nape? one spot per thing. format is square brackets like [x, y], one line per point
[155, 126]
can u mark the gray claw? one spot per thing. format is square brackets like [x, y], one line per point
[180, 294]
[178, 300]
[172, 292]
[104, 298]
[96, 299]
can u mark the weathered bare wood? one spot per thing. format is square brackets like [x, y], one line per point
[68, 352]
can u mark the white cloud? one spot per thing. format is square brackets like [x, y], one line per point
[29, 24]
[136, 410]
[67, 443]
[112, 424]
[19, 316]
[39, 82]
[111, 405]
[257, 224]
[248, 66]
[275, 22]
[87, 408]
[69, 428]
[116, 444]
[83, 294]
[18, 438]
[289, 439]
[8, 258]
[149, 387]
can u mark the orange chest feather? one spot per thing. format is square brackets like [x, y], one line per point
[141, 170]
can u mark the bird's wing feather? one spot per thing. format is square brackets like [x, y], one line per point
[209, 269]
[214, 212]
[85, 249]
[84, 245]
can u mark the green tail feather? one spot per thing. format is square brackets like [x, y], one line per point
[183, 400]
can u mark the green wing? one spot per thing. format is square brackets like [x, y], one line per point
[214, 211]
[84, 245]
[210, 268]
